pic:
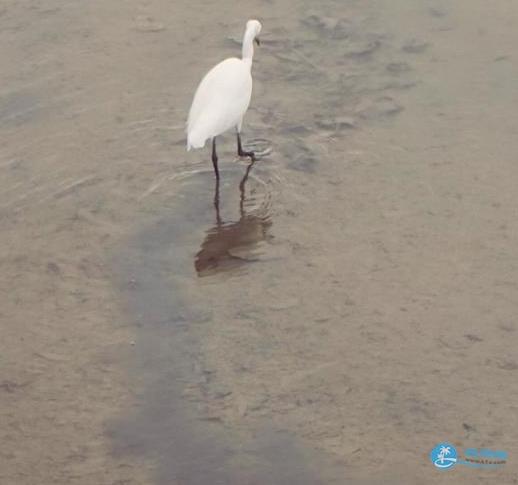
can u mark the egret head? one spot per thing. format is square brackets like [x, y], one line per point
[254, 26]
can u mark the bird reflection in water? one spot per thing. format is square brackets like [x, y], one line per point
[230, 245]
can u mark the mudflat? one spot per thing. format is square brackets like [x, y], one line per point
[327, 315]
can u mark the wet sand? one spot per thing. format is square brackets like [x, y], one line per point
[354, 302]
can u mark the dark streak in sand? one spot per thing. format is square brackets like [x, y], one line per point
[190, 447]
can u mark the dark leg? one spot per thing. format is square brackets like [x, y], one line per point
[215, 158]
[241, 152]
[216, 202]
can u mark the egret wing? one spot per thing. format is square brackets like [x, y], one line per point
[220, 101]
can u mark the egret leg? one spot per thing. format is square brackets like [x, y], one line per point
[215, 158]
[216, 202]
[241, 152]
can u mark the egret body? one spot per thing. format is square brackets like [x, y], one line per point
[222, 98]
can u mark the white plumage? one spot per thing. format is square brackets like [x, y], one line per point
[220, 101]
[223, 96]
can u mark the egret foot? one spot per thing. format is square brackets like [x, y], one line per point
[243, 153]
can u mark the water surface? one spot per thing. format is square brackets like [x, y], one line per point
[328, 318]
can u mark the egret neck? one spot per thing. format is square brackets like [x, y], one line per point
[248, 46]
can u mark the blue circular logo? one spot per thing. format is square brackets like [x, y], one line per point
[444, 455]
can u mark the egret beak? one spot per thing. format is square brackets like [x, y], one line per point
[257, 41]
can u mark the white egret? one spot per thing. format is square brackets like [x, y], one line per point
[222, 98]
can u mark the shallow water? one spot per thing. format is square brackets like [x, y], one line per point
[173, 419]
[325, 315]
